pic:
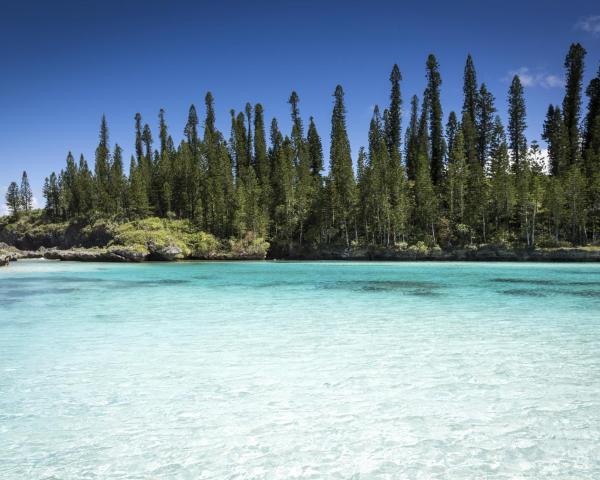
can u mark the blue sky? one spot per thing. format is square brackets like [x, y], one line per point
[64, 64]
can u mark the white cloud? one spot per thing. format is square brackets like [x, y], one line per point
[531, 78]
[590, 24]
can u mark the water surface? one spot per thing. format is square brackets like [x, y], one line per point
[299, 370]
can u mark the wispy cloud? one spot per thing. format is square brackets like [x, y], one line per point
[531, 78]
[589, 24]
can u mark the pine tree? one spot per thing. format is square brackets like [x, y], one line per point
[117, 190]
[451, 130]
[436, 134]
[191, 131]
[572, 102]
[315, 223]
[25, 193]
[457, 180]
[555, 204]
[341, 175]
[70, 188]
[304, 184]
[536, 162]
[470, 90]
[476, 185]
[85, 186]
[282, 171]
[591, 139]
[378, 207]
[575, 210]
[395, 172]
[425, 213]
[51, 193]
[395, 121]
[137, 205]
[484, 122]
[102, 170]
[138, 137]
[13, 200]
[261, 164]
[163, 133]
[516, 122]
[555, 136]
[501, 182]
[425, 200]
[593, 111]
[315, 149]
[412, 139]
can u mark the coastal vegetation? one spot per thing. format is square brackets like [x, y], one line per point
[465, 179]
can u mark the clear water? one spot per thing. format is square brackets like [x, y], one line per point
[299, 370]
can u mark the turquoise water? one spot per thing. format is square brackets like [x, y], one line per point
[281, 370]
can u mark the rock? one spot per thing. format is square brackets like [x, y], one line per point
[4, 259]
[14, 254]
[84, 255]
[169, 253]
[129, 254]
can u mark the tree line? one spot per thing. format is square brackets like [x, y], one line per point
[471, 179]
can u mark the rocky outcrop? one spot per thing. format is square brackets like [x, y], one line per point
[10, 253]
[168, 253]
[129, 254]
[121, 254]
[487, 253]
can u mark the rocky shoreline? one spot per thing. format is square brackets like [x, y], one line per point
[172, 253]
[486, 253]
[115, 254]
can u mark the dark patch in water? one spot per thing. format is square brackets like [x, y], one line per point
[25, 282]
[282, 283]
[526, 281]
[523, 292]
[406, 287]
[16, 293]
[154, 283]
[425, 293]
[6, 302]
[172, 281]
[586, 293]
[543, 282]
[203, 277]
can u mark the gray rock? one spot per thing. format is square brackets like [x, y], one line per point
[129, 254]
[169, 253]
[84, 255]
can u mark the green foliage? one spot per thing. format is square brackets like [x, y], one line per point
[516, 121]
[467, 185]
[13, 199]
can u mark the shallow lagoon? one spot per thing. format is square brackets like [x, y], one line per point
[300, 370]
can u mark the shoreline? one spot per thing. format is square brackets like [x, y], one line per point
[484, 254]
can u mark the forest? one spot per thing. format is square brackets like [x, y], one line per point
[467, 178]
